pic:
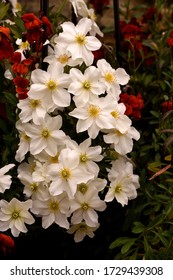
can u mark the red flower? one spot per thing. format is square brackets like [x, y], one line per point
[21, 86]
[133, 104]
[6, 48]
[6, 244]
[167, 106]
[170, 40]
[31, 21]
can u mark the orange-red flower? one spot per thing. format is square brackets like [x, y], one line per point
[133, 104]
[167, 106]
[6, 244]
[31, 21]
[6, 48]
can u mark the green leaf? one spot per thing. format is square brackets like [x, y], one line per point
[126, 247]
[119, 242]
[3, 10]
[138, 227]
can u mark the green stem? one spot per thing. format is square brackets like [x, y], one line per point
[61, 7]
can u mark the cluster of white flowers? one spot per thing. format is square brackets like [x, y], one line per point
[61, 175]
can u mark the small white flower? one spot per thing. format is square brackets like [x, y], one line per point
[83, 207]
[112, 78]
[55, 209]
[14, 215]
[50, 86]
[95, 116]
[46, 136]
[122, 142]
[81, 230]
[85, 85]
[5, 180]
[61, 55]
[24, 144]
[67, 174]
[77, 42]
[31, 109]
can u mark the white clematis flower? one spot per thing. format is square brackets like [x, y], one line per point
[50, 86]
[67, 174]
[112, 78]
[5, 180]
[85, 85]
[77, 42]
[14, 215]
[81, 230]
[46, 136]
[55, 209]
[122, 142]
[83, 207]
[95, 116]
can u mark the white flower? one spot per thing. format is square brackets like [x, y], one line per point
[122, 189]
[123, 182]
[14, 215]
[87, 155]
[83, 207]
[24, 144]
[67, 174]
[95, 185]
[55, 209]
[122, 142]
[46, 136]
[85, 85]
[61, 55]
[77, 42]
[79, 7]
[5, 180]
[31, 109]
[50, 86]
[23, 46]
[112, 78]
[94, 117]
[119, 121]
[16, 6]
[81, 230]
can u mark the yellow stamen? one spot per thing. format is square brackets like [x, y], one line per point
[109, 77]
[52, 85]
[93, 111]
[45, 133]
[81, 39]
[65, 173]
[87, 85]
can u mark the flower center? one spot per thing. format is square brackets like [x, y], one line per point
[109, 77]
[83, 158]
[54, 206]
[80, 39]
[87, 85]
[63, 59]
[65, 173]
[85, 206]
[118, 189]
[15, 215]
[93, 111]
[45, 133]
[34, 103]
[25, 137]
[54, 159]
[82, 188]
[25, 45]
[34, 187]
[115, 114]
[52, 85]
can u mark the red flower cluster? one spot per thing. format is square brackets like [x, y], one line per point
[99, 5]
[6, 48]
[133, 104]
[167, 106]
[38, 30]
[6, 244]
[170, 40]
